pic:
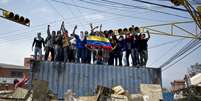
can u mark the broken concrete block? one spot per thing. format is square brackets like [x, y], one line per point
[136, 97]
[119, 90]
[151, 92]
[87, 98]
[70, 96]
[40, 90]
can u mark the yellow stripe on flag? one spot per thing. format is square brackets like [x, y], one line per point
[98, 38]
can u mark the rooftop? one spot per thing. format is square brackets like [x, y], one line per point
[10, 66]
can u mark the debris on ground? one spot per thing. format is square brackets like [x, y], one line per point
[151, 92]
[17, 95]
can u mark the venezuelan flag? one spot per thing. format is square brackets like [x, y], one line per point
[99, 41]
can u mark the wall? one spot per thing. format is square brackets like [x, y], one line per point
[7, 72]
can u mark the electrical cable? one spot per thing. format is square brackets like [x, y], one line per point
[73, 14]
[25, 38]
[166, 52]
[185, 49]
[151, 3]
[112, 13]
[138, 7]
[11, 32]
[166, 43]
[178, 54]
[106, 5]
[181, 58]
[55, 9]
[6, 34]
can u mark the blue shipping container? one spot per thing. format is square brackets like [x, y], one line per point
[168, 96]
[84, 78]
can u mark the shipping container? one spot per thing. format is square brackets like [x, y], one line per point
[168, 96]
[83, 78]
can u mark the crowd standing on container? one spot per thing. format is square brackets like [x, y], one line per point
[68, 47]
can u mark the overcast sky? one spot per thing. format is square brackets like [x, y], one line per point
[16, 39]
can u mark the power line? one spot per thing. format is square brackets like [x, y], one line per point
[73, 14]
[102, 11]
[6, 34]
[168, 50]
[106, 5]
[111, 6]
[79, 11]
[25, 38]
[186, 48]
[179, 53]
[55, 9]
[166, 43]
[171, 7]
[11, 32]
[138, 7]
[181, 58]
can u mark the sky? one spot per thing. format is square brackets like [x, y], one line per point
[16, 39]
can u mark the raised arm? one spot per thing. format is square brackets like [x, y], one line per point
[92, 29]
[43, 42]
[33, 43]
[91, 26]
[74, 30]
[100, 27]
[148, 35]
[48, 30]
[63, 29]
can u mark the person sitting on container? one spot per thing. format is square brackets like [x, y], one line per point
[38, 41]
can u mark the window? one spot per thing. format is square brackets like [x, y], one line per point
[18, 74]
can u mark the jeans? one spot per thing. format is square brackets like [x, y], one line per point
[58, 53]
[135, 55]
[66, 53]
[143, 57]
[118, 58]
[37, 50]
[124, 58]
[128, 53]
[81, 52]
[111, 58]
[72, 53]
[88, 56]
[47, 51]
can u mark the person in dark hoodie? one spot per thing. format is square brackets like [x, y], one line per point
[143, 48]
[129, 41]
[58, 47]
[135, 47]
[49, 47]
[121, 49]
